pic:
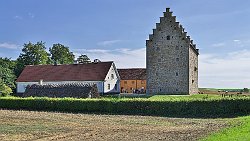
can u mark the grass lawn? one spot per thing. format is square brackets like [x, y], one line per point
[32, 125]
[240, 132]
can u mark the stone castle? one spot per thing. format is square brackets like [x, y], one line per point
[171, 59]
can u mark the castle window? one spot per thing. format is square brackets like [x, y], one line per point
[112, 76]
[195, 68]
[176, 90]
[176, 73]
[192, 81]
[183, 38]
[168, 37]
[177, 59]
[108, 86]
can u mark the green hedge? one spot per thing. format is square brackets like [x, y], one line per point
[228, 107]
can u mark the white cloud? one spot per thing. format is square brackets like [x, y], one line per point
[231, 71]
[18, 17]
[9, 46]
[31, 15]
[219, 45]
[123, 57]
[236, 40]
[108, 43]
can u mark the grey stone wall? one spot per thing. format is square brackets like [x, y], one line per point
[167, 58]
[193, 71]
[76, 90]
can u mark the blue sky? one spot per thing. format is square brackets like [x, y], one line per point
[117, 30]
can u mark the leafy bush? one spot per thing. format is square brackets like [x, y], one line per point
[182, 107]
[4, 89]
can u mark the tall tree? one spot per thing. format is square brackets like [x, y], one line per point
[83, 59]
[7, 72]
[61, 54]
[32, 54]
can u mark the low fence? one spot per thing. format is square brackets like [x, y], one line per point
[77, 90]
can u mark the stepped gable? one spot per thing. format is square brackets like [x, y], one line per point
[168, 15]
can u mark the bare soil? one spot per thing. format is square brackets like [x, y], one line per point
[32, 125]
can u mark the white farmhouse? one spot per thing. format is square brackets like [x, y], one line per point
[104, 74]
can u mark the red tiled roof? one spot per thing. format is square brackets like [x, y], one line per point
[133, 74]
[72, 72]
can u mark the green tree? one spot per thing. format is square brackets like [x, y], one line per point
[83, 59]
[7, 72]
[32, 54]
[61, 54]
[4, 89]
[246, 90]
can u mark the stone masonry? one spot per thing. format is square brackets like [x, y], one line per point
[171, 59]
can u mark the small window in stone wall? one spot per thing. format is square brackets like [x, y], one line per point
[177, 59]
[192, 81]
[168, 37]
[157, 49]
[195, 68]
[177, 74]
[177, 90]
[112, 76]
[108, 86]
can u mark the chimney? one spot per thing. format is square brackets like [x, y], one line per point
[96, 61]
[40, 82]
[75, 62]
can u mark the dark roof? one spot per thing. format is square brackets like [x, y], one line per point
[72, 72]
[133, 74]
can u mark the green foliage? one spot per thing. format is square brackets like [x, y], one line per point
[83, 59]
[172, 107]
[246, 90]
[4, 89]
[7, 72]
[236, 132]
[61, 54]
[32, 54]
